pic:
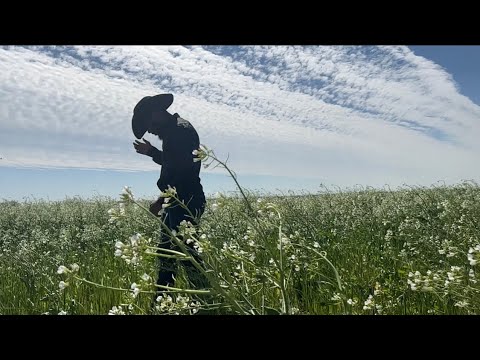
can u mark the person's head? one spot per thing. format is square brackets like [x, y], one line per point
[159, 121]
[150, 114]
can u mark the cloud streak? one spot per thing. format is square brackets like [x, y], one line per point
[362, 114]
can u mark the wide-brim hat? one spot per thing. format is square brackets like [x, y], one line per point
[142, 113]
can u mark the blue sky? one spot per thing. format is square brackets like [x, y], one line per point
[289, 118]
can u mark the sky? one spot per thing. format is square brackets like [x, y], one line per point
[289, 118]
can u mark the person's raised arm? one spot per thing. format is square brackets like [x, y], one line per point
[148, 149]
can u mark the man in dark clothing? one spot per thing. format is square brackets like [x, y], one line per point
[178, 171]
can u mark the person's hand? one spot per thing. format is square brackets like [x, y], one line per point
[142, 148]
[156, 207]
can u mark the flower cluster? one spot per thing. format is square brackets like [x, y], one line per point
[116, 213]
[419, 282]
[67, 271]
[474, 255]
[132, 251]
[180, 305]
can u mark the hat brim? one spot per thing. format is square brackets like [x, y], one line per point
[139, 124]
[143, 110]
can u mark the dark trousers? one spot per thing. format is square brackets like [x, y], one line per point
[172, 217]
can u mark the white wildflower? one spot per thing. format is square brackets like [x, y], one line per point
[75, 267]
[116, 311]
[471, 274]
[198, 248]
[134, 239]
[472, 260]
[461, 304]
[62, 269]
[336, 297]
[62, 285]
[369, 303]
[135, 289]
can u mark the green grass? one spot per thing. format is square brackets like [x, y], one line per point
[373, 238]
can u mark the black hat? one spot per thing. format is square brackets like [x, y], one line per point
[143, 110]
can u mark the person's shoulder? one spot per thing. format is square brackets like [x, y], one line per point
[185, 124]
[186, 131]
[182, 122]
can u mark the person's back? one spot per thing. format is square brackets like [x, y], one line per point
[178, 168]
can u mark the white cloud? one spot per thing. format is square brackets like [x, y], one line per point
[362, 113]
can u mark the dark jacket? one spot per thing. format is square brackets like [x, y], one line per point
[178, 168]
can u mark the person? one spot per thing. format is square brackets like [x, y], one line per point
[179, 171]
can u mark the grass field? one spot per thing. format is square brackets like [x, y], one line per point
[361, 251]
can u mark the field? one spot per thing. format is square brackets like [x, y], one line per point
[355, 251]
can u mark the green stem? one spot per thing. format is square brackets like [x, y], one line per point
[107, 287]
[328, 261]
[286, 305]
[187, 291]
